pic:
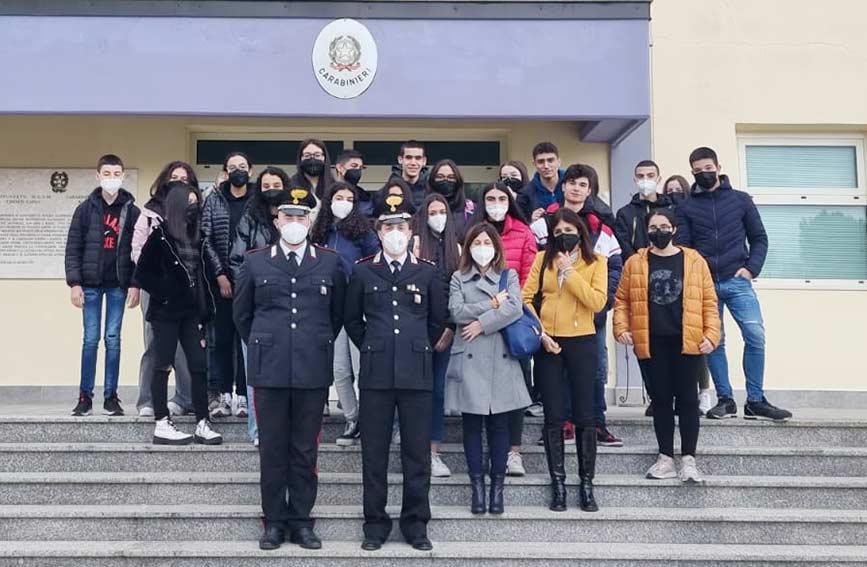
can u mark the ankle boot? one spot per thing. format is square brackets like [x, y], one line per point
[586, 445]
[495, 502]
[477, 483]
[553, 438]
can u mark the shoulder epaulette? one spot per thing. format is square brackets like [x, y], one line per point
[325, 248]
[365, 259]
[257, 249]
[428, 262]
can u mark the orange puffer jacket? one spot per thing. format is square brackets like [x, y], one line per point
[700, 312]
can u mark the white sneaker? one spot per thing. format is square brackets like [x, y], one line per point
[224, 409]
[662, 469]
[165, 433]
[256, 442]
[176, 410]
[207, 436]
[240, 406]
[437, 467]
[146, 411]
[535, 410]
[515, 464]
[689, 471]
[704, 402]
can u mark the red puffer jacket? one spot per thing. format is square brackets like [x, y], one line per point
[520, 246]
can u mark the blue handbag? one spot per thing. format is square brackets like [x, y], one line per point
[523, 337]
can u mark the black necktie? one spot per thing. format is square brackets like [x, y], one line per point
[396, 265]
[293, 261]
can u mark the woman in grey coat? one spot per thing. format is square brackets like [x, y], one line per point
[483, 381]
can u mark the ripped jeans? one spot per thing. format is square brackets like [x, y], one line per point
[738, 294]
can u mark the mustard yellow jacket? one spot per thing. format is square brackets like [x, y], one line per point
[568, 311]
[700, 312]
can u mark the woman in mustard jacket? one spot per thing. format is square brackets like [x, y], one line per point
[567, 285]
[666, 308]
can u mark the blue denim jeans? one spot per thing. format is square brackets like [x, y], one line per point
[440, 365]
[252, 427]
[115, 300]
[738, 294]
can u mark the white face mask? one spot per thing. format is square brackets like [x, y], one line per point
[497, 212]
[482, 255]
[341, 209]
[293, 232]
[647, 186]
[437, 223]
[395, 242]
[111, 185]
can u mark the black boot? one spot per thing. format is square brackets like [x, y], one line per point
[553, 439]
[496, 499]
[477, 483]
[586, 445]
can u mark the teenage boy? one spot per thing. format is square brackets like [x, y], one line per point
[99, 266]
[412, 168]
[348, 168]
[724, 225]
[630, 227]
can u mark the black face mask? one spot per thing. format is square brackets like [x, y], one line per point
[676, 197]
[660, 238]
[445, 188]
[273, 196]
[239, 178]
[565, 243]
[313, 167]
[192, 213]
[513, 183]
[705, 179]
[352, 176]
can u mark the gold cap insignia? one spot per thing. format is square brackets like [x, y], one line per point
[297, 195]
[394, 202]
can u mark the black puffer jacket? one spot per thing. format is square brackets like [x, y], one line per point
[216, 232]
[253, 233]
[85, 240]
[630, 228]
[174, 294]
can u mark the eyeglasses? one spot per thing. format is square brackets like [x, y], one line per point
[445, 178]
[654, 229]
[313, 156]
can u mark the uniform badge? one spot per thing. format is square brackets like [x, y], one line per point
[323, 290]
[417, 299]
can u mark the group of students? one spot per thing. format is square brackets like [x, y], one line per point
[283, 286]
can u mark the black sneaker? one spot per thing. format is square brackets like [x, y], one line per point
[111, 406]
[649, 411]
[725, 408]
[84, 407]
[766, 411]
[350, 436]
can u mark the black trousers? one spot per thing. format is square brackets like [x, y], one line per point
[516, 418]
[191, 335]
[376, 416]
[672, 379]
[290, 421]
[226, 357]
[578, 360]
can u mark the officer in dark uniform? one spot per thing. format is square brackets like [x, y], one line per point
[396, 308]
[288, 308]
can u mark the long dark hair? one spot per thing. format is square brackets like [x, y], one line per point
[481, 215]
[159, 188]
[519, 165]
[459, 200]
[429, 242]
[326, 178]
[499, 261]
[175, 204]
[586, 247]
[352, 227]
[259, 207]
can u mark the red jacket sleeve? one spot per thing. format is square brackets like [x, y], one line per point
[528, 256]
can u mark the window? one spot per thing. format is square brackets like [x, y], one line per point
[811, 194]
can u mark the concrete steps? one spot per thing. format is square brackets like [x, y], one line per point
[741, 526]
[94, 492]
[454, 554]
[243, 457]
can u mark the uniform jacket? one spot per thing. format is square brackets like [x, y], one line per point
[568, 311]
[394, 322]
[520, 246]
[175, 294]
[84, 242]
[482, 377]
[700, 313]
[290, 320]
[720, 224]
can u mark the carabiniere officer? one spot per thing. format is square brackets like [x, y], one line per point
[396, 308]
[288, 308]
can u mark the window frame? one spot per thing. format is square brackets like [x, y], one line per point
[839, 196]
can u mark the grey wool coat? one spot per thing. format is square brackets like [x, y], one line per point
[482, 378]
